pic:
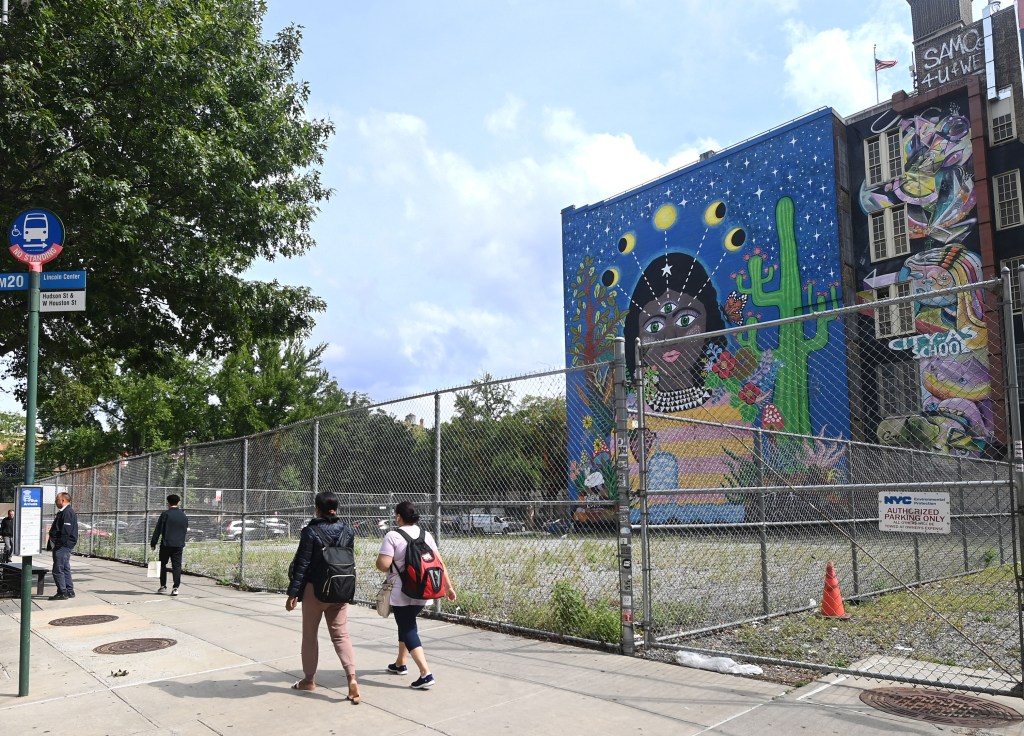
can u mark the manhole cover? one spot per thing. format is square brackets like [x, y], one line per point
[938, 706]
[134, 646]
[82, 620]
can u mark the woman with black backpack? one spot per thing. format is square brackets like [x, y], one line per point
[314, 579]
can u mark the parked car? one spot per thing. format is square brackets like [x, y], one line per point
[88, 530]
[110, 525]
[557, 526]
[513, 525]
[253, 529]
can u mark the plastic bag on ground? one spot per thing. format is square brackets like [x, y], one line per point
[717, 664]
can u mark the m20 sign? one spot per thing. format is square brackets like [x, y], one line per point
[36, 236]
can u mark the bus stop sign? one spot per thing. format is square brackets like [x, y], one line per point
[36, 236]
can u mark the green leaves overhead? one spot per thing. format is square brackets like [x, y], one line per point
[173, 142]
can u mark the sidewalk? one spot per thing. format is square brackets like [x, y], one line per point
[237, 653]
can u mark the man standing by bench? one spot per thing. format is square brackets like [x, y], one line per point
[173, 526]
[7, 536]
[62, 539]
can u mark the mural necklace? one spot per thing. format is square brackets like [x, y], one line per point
[688, 398]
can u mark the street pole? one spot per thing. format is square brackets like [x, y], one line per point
[30, 469]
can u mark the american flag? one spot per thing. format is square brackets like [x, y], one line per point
[880, 64]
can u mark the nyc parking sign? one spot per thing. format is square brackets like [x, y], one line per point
[36, 236]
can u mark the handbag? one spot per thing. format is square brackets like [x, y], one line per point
[384, 598]
[153, 569]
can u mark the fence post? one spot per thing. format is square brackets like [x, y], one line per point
[645, 539]
[854, 559]
[245, 509]
[437, 466]
[625, 529]
[1012, 398]
[184, 477]
[762, 531]
[92, 519]
[145, 524]
[316, 461]
[117, 510]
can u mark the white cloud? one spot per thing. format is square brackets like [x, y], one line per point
[505, 119]
[463, 269]
[834, 67]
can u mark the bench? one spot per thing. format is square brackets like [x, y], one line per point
[12, 577]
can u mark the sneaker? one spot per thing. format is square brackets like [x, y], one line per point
[174, 591]
[395, 669]
[57, 597]
[161, 589]
[424, 682]
[70, 595]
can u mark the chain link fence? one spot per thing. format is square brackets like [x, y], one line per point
[753, 457]
[485, 464]
[872, 439]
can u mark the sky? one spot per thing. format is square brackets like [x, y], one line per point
[463, 128]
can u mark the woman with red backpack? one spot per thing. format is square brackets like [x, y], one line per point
[410, 558]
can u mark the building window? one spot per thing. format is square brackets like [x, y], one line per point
[883, 157]
[899, 389]
[1002, 128]
[896, 319]
[1008, 212]
[1014, 265]
[889, 233]
[1000, 114]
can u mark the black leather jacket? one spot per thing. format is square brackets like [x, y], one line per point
[309, 551]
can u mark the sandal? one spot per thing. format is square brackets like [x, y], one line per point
[354, 697]
[305, 685]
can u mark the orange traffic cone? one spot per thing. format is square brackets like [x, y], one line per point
[832, 599]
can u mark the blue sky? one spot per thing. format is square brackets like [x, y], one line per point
[465, 127]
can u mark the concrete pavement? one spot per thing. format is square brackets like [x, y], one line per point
[237, 653]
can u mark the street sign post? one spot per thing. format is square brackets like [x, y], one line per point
[35, 237]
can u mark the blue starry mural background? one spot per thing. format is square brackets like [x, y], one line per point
[748, 236]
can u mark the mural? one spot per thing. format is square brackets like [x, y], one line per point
[950, 339]
[747, 236]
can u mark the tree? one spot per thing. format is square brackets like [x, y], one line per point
[109, 413]
[172, 140]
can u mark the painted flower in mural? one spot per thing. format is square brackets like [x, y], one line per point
[600, 446]
[588, 421]
[749, 393]
[725, 364]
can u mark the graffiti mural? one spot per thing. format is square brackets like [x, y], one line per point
[745, 237]
[949, 339]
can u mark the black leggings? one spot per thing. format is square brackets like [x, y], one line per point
[405, 617]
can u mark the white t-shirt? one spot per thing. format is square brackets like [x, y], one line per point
[394, 545]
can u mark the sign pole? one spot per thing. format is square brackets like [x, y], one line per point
[30, 469]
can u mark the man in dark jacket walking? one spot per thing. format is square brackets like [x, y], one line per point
[7, 536]
[62, 539]
[172, 526]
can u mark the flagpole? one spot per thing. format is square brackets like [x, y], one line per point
[874, 61]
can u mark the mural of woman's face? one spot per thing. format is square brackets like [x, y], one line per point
[673, 315]
[928, 278]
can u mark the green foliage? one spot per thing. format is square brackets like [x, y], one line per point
[571, 615]
[172, 139]
[114, 413]
[498, 450]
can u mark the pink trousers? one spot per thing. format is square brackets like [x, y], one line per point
[313, 610]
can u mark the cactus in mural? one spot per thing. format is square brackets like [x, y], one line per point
[795, 347]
